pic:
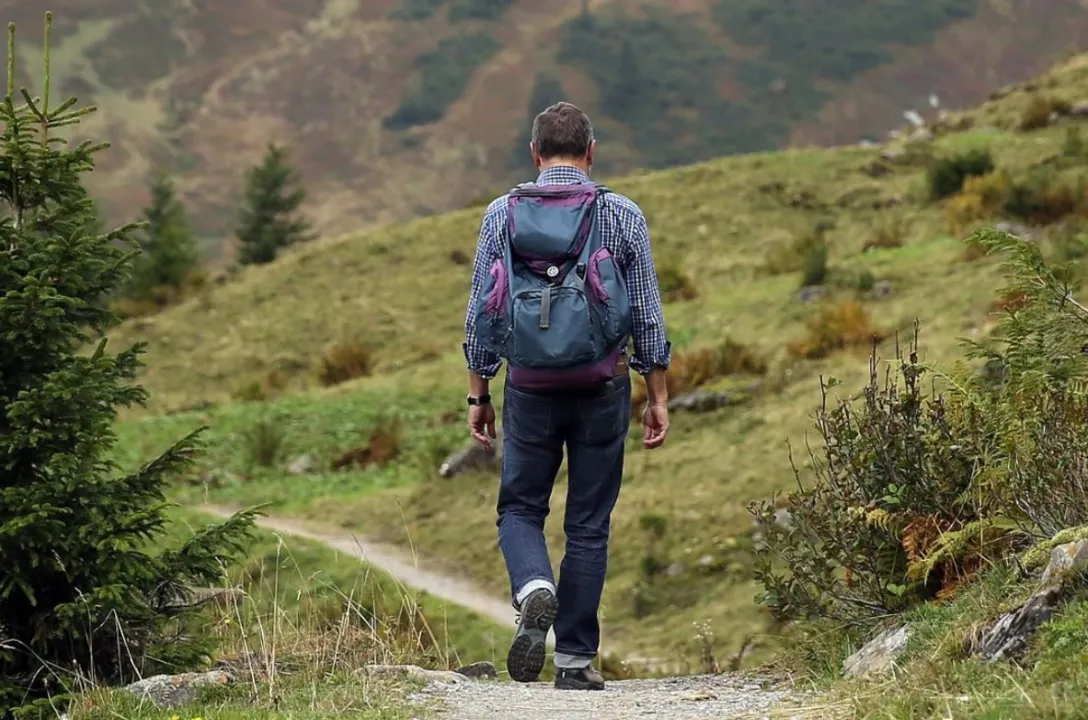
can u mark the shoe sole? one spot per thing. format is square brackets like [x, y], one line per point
[525, 660]
[576, 685]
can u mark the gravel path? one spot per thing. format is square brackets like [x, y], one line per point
[716, 697]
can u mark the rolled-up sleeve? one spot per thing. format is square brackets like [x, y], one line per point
[652, 348]
[481, 361]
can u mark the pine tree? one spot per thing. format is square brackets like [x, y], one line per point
[81, 591]
[269, 221]
[169, 247]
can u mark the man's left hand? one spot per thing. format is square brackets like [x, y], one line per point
[481, 423]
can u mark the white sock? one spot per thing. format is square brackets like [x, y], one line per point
[572, 662]
[532, 586]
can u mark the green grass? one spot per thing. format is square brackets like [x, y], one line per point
[397, 290]
[323, 615]
[938, 679]
[310, 695]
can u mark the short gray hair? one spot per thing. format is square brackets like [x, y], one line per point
[562, 131]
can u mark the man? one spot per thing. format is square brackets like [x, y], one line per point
[541, 300]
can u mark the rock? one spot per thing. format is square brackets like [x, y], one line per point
[192, 597]
[472, 457]
[1008, 638]
[1020, 231]
[783, 518]
[706, 561]
[811, 293]
[302, 465]
[1078, 110]
[677, 568]
[699, 401]
[921, 134]
[881, 290]
[1064, 560]
[877, 656]
[479, 670]
[171, 690]
[894, 153]
[444, 677]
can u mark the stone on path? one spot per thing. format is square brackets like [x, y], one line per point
[171, 690]
[877, 656]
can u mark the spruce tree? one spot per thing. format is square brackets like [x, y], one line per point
[83, 596]
[269, 220]
[169, 254]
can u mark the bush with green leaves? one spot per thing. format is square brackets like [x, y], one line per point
[83, 596]
[914, 492]
[947, 174]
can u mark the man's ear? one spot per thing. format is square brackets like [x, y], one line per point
[591, 153]
[535, 155]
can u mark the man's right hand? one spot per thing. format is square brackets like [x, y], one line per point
[655, 425]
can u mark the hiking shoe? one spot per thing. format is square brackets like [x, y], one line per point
[580, 679]
[526, 657]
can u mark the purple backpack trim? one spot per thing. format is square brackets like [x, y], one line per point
[575, 378]
[558, 196]
[593, 274]
[497, 296]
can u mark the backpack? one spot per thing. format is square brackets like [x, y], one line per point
[555, 306]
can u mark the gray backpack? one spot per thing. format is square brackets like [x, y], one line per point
[555, 306]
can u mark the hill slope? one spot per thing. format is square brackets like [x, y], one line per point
[725, 229]
[400, 108]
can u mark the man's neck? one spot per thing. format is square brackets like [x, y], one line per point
[564, 162]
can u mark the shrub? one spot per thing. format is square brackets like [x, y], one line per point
[947, 175]
[676, 285]
[1073, 146]
[982, 197]
[888, 231]
[913, 495]
[1037, 112]
[344, 362]
[264, 443]
[888, 483]
[382, 446]
[837, 326]
[85, 594]
[261, 388]
[1045, 197]
[692, 369]
[814, 264]
[1069, 242]
[806, 254]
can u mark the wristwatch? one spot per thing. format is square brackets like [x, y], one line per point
[484, 399]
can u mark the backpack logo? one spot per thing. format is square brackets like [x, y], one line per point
[555, 305]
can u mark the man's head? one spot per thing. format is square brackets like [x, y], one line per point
[563, 135]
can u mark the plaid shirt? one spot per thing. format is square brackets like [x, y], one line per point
[624, 233]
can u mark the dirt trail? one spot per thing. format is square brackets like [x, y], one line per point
[716, 697]
[393, 561]
[708, 697]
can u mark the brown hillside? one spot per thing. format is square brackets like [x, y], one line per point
[201, 87]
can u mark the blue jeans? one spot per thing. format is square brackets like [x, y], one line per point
[592, 425]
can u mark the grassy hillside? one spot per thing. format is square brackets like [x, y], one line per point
[734, 237]
[399, 108]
